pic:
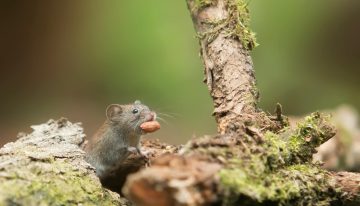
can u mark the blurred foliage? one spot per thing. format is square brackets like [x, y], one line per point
[72, 58]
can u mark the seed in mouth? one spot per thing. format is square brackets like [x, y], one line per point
[150, 126]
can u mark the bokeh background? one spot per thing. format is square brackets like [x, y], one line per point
[73, 58]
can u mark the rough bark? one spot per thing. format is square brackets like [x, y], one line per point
[256, 159]
[350, 184]
[46, 167]
[225, 41]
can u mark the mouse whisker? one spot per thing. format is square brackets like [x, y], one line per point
[166, 115]
[137, 124]
[163, 120]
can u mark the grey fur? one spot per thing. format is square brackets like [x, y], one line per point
[117, 137]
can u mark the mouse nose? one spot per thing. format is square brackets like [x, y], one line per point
[152, 116]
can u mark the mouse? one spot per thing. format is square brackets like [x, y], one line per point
[119, 137]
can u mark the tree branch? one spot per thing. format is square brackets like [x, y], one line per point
[225, 39]
[256, 159]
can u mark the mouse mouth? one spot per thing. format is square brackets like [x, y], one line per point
[151, 117]
[149, 123]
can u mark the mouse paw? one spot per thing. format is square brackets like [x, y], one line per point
[133, 149]
[146, 155]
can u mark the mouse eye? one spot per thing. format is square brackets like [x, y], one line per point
[135, 111]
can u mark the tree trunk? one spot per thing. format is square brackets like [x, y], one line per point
[256, 159]
[229, 72]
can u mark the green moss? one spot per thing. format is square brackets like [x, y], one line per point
[277, 171]
[293, 185]
[309, 134]
[200, 4]
[240, 23]
[280, 173]
[298, 145]
[236, 25]
[56, 184]
[278, 153]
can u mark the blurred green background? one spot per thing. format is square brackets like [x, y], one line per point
[73, 58]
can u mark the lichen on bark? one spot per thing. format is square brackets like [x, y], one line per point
[225, 40]
[236, 24]
[282, 172]
[46, 167]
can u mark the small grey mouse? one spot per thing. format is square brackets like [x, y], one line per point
[118, 137]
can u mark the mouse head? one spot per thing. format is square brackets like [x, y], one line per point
[129, 116]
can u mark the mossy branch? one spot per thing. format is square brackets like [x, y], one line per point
[46, 167]
[256, 159]
[297, 145]
[235, 170]
[225, 40]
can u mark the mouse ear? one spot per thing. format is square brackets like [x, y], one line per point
[113, 111]
[137, 102]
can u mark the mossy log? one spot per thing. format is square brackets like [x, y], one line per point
[238, 170]
[47, 167]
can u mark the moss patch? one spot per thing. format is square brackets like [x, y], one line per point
[200, 4]
[237, 24]
[277, 171]
[292, 146]
[56, 184]
[293, 185]
[240, 23]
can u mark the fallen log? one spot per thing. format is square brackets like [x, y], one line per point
[46, 167]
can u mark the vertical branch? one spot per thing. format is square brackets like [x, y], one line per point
[231, 168]
[225, 40]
